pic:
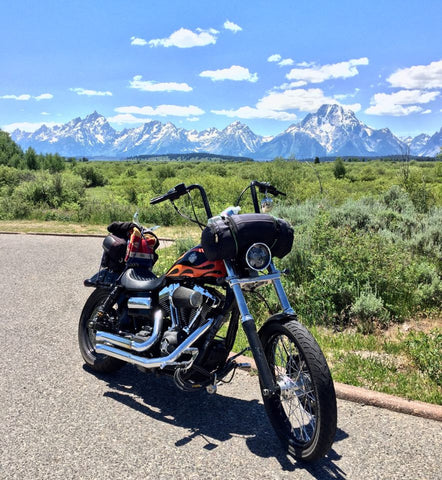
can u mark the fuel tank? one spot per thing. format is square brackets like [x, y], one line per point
[194, 265]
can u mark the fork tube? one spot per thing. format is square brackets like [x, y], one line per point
[248, 324]
[283, 300]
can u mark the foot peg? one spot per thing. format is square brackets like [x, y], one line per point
[244, 366]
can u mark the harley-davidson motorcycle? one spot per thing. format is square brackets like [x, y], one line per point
[183, 324]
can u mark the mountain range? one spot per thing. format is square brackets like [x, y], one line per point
[331, 131]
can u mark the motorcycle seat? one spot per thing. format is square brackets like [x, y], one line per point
[141, 281]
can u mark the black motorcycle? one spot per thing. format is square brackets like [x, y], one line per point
[183, 324]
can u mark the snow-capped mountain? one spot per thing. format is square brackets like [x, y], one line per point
[331, 131]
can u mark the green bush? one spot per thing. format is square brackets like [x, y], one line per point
[425, 350]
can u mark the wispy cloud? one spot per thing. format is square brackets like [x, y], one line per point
[162, 110]
[276, 58]
[228, 25]
[184, 38]
[319, 74]
[44, 96]
[418, 76]
[280, 105]
[286, 62]
[27, 126]
[152, 86]
[138, 41]
[235, 72]
[253, 112]
[400, 103]
[91, 93]
[23, 97]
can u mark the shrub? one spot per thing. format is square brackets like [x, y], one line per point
[425, 350]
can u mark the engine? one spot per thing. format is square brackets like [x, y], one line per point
[186, 309]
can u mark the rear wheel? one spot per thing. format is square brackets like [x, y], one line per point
[86, 336]
[303, 413]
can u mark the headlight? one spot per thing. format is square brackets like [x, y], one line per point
[258, 256]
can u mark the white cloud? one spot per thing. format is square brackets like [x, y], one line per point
[286, 62]
[138, 41]
[418, 76]
[90, 93]
[23, 97]
[251, 112]
[306, 100]
[305, 64]
[278, 105]
[184, 38]
[400, 103]
[162, 110]
[127, 118]
[235, 72]
[44, 113]
[228, 25]
[27, 126]
[425, 112]
[288, 86]
[318, 74]
[44, 96]
[274, 58]
[152, 86]
[193, 119]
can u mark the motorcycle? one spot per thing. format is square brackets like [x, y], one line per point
[183, 324]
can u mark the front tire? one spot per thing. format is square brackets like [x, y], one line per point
[86, 336]
[303, 413]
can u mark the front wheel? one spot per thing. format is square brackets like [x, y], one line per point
[303, 412]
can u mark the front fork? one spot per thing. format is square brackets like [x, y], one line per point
[248, 322]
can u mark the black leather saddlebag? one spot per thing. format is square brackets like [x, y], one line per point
[225, 238]
[114, 251]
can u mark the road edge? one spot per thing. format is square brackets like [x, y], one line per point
[365, 396]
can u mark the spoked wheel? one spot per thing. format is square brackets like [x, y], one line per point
[303, 413]
[86, 336]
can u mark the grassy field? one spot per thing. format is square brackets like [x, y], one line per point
[365, 268]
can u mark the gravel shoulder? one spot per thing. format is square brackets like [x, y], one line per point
[58, 420]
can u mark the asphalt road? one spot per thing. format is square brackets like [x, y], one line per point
[57, 420]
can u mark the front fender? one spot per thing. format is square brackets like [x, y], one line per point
[279, 318]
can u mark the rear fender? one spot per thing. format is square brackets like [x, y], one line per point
[102, 279]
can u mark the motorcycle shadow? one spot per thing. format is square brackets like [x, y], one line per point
[215, 418]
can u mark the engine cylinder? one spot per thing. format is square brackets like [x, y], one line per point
[184, 297]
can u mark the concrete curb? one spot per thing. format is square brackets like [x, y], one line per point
[377, 399]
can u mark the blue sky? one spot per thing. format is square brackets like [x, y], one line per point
[202, 64]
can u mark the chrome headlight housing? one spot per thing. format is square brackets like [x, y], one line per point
[258, 256]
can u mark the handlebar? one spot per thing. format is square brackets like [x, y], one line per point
[181, 189]
[178, 191]
[266, 187]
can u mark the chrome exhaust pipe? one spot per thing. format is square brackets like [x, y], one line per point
[161, 362]
[129, 343]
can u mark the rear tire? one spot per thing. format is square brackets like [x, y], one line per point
[303, 413]
[86, 336]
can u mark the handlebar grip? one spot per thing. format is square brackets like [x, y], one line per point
[176, 192]
[156, 200]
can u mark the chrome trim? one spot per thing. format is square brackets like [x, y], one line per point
[238, 284]
[268, 252]
[129, 343]
[139, 303]
[161, 362]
